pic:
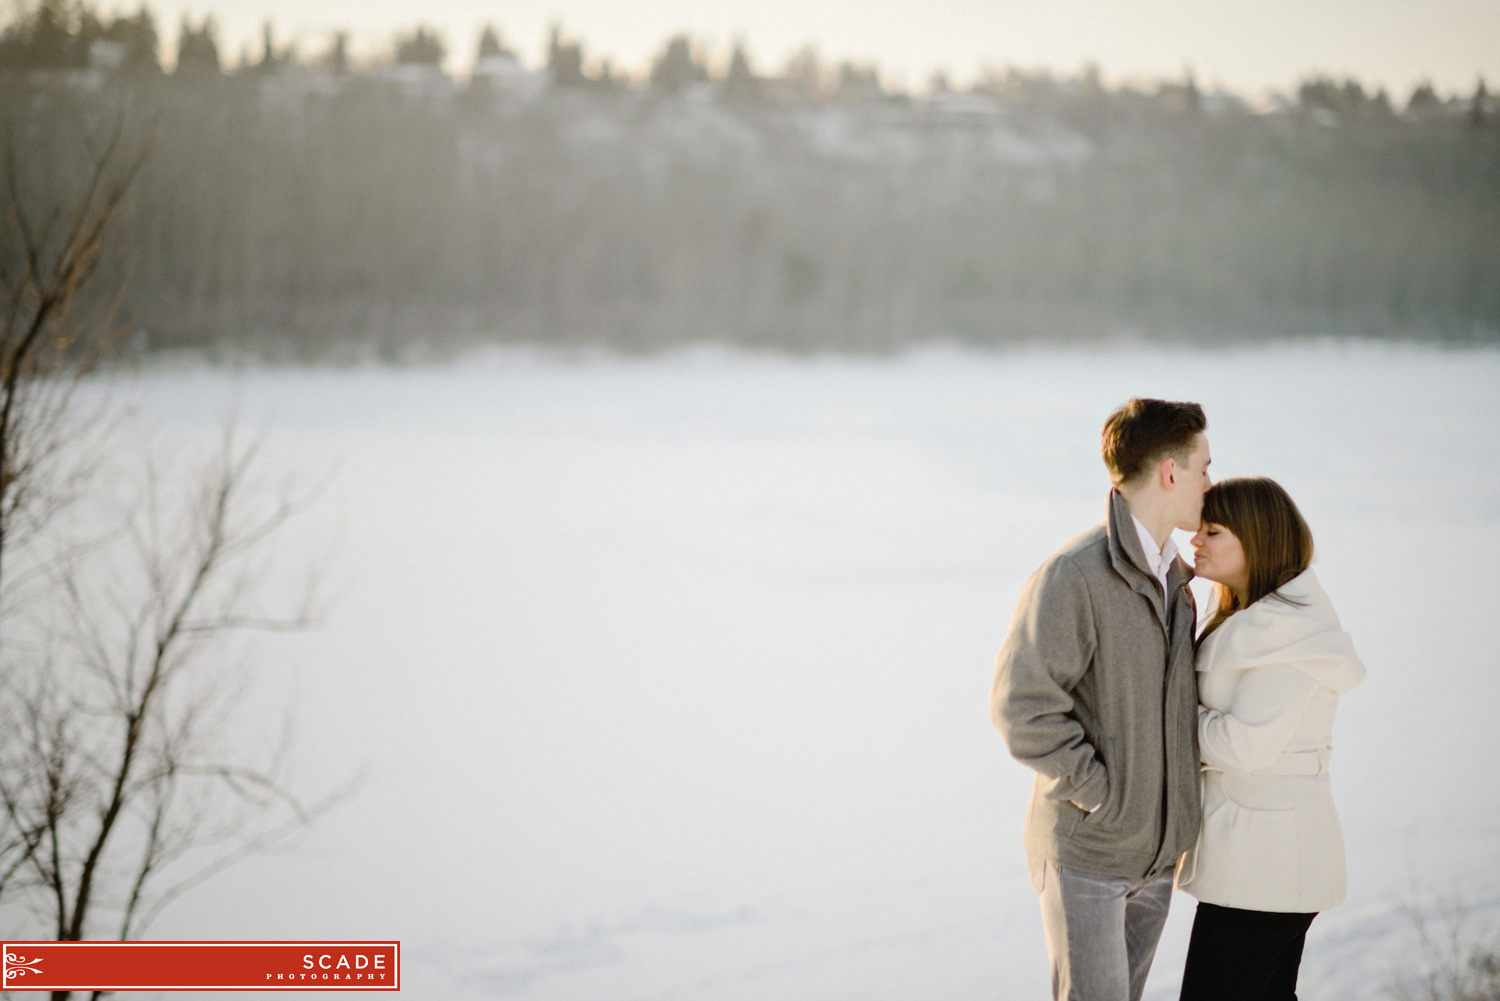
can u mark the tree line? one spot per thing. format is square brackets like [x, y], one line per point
[304, 205]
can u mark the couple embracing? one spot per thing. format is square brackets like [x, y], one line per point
[1172, 755]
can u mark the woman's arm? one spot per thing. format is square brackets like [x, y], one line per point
[1268, 703]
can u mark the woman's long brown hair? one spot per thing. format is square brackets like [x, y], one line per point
[1277, 542]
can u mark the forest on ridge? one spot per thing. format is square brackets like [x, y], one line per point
[304, 204]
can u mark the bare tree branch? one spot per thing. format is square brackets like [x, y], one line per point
[119, 788]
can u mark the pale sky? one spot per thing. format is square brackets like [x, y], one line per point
[1247, 47]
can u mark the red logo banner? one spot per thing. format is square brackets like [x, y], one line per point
[204, 966]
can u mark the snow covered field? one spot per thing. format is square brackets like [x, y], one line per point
[671, 674]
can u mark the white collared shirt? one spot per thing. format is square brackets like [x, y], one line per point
[1159, 558]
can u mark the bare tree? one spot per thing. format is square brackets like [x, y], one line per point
[120, 787]
[116, 766]
[52, 333]
[1459, 962]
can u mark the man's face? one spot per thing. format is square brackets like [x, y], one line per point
[1190, 483]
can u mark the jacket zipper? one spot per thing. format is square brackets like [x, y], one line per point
[1166, 778]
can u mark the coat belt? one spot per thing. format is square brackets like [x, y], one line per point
[1313, 761]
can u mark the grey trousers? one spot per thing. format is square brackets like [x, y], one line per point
[1101, 930]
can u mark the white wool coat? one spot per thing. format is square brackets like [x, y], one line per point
[1269, 681]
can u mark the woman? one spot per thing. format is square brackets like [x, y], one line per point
[1272, 663]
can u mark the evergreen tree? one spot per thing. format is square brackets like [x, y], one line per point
[565, 60]
[609, 79]
[739, 82]
[270, 61]
[421, 47]
[138, 34]
[198, 48]
[46, 40]
[1423, 100]
[1353, 98]
[676, 67]
[337, 57]
[90, 29]
[804, 71]
[492, 45]
[858, 81]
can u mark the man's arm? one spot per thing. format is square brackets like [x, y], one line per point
[1048, 648]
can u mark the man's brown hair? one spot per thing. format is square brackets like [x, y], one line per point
[1143, 432]
[1278, 544]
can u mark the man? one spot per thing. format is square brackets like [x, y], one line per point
[1094, 690]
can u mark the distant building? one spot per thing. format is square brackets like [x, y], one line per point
[424, 82]
[504, 77]
[107, 55]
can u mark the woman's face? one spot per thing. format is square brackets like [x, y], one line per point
[1218, 556]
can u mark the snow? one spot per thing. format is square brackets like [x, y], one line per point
[670, 674]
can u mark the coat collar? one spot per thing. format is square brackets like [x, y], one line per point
[1129, 559]
[1295, 626]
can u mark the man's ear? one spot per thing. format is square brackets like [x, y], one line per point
[1166, 473]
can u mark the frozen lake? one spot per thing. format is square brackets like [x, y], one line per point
[670, 675]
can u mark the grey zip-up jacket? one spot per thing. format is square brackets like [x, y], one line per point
[1095, 690]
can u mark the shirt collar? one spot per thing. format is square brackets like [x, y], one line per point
[1156, 556]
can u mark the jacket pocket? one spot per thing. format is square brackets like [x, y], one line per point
[1248, 854]
[1114, 775]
